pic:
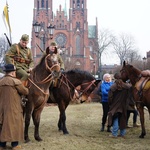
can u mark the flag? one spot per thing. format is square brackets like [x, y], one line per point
[6, 17]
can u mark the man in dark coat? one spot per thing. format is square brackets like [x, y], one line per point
[117, 99]
[11, 112]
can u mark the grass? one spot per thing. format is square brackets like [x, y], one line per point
[83, 123]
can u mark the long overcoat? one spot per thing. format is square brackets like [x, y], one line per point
[118, 102]
[11, 112]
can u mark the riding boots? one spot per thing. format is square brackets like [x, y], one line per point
[136, 125]
[102, 128]
[108, 129]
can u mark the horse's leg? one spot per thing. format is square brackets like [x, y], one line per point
[36, 120]
[62, 117]
[28, 111]
[141, 112]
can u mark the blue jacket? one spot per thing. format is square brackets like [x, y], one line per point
[105, 87]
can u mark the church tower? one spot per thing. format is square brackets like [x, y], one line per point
[42, 15]
[78, 27]
[71, 32]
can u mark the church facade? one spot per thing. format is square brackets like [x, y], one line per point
[74, 37]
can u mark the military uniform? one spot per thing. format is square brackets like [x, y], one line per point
[48, 51]
[21, 58]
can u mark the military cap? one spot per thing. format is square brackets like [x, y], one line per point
[25, 37]
[9, 68]
[53, 44]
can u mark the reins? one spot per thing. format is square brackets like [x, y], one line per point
[86, 89]
[79, 91]
[47, 79]
[37, 87]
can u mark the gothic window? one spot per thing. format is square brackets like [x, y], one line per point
[60, 17]
[47, 4]
[42, 5]
[38, 5]
[77, 25]
[57, 24]
[78, 39]
[78, 3]
[63, 23]
[82, 4]
[73, 4]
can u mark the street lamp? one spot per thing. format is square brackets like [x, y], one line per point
[43, 33]
[144, 62]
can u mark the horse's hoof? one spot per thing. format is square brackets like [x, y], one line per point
[38, 139]
[141, 136]
[27, 140]
[65, 133]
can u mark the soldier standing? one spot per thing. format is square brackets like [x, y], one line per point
[20, 56]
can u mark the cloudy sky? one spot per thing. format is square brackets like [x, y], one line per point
[120, 16]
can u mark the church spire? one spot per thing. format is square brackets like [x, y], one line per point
[65, 9]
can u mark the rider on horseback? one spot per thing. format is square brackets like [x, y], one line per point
[20, 55]
[52, 49]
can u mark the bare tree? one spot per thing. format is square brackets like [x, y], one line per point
[124, 47]
[3, 48]
[133, 56]
[104, 41]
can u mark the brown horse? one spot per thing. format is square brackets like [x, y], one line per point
[39, 82]
[140, 90]
[64, 92]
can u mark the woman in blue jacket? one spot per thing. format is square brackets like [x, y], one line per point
[104, 89]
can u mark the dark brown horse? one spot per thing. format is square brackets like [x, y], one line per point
[39, 82]
[140, 90]
[65, 89]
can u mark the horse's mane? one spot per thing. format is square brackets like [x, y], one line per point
[79, 72]
[40, 62]
[134, 69]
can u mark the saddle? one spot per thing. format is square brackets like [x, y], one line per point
[144, 81]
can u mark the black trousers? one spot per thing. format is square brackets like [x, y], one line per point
[135, 113]
[105, 107]
[13, 144]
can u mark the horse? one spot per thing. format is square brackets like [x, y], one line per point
[63, 93]
[140, 91]
[39, 81]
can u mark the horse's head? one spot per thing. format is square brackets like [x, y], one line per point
[129, 72]
[52, 64]
[87, 88]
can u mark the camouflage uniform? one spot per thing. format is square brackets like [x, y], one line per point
[21, 58]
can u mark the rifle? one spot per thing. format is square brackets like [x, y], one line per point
[7, 39]
[39, 48]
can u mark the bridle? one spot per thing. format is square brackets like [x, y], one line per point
[81, 92]
[49, 78]
[139, 102]
[89, 84]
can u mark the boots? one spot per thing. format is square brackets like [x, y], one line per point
[102, 128]
[136, 125]
[108, 129]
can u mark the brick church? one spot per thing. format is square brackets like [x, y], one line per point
[75, 38]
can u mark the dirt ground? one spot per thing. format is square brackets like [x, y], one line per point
[83, 123]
